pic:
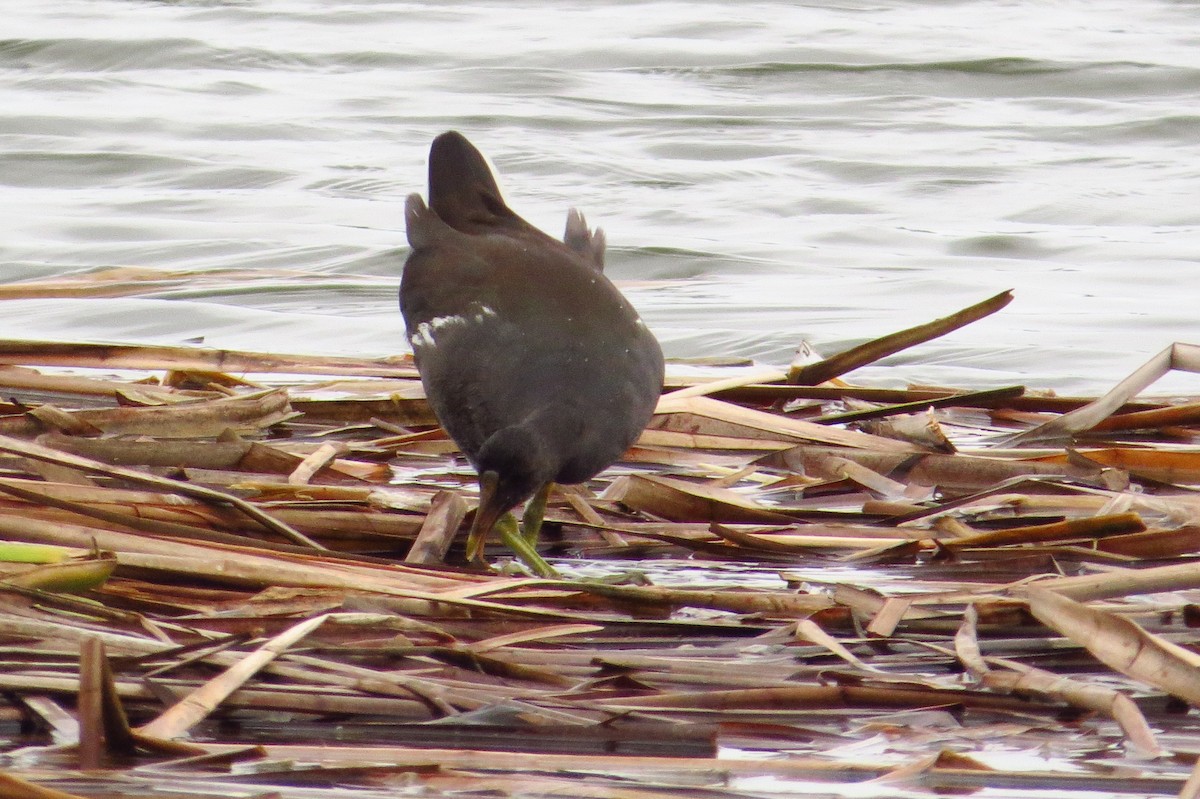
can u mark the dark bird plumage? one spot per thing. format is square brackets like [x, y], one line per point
[532, 360]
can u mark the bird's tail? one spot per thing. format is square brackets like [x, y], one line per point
[462, 190]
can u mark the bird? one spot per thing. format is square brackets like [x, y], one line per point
[533, 362]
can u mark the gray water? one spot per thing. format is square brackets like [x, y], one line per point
[768, 173]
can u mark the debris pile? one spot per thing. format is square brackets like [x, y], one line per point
[222, 572]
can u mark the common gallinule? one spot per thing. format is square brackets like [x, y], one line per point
[532, 360]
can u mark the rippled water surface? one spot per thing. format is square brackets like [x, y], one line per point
[767, 173]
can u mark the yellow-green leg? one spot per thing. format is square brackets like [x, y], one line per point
[535, 512]
[522, 547]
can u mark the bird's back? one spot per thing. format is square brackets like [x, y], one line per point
[512, 327]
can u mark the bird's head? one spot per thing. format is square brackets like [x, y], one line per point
[513, 464]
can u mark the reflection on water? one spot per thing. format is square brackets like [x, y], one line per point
[767, 173]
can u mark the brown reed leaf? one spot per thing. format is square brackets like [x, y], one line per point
[884, 346]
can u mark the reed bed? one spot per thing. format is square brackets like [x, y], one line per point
[232, 573]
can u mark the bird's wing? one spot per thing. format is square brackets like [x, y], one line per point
[588, 244]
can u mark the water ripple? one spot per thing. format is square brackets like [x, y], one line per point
[767, 172]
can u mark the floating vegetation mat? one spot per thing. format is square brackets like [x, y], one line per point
[221, 575]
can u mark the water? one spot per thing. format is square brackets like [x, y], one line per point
[767, 173]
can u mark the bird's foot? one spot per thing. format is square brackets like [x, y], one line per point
[523, 548]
